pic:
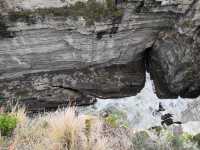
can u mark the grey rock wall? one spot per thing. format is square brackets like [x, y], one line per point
[175, 57]
[56, 60]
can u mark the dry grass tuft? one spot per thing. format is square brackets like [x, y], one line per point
[65, 130]
[61, 130]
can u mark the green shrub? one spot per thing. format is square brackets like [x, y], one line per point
[186, 137]
[7, 124]
[156, 129]
[112, 120]
[116, 119]
[196, 139]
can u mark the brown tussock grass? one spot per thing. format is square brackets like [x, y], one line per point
[61, 130]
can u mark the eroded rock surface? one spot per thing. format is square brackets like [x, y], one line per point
[49, 55]
[175, 58]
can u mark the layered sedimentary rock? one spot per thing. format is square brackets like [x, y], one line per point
[174, 59]
[64, 53]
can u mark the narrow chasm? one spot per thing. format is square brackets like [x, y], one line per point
[155, 72]
[146, 58]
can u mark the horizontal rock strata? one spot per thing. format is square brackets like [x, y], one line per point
[73, 53]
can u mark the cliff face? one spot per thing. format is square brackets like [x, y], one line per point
[174, 58]
[60, 52]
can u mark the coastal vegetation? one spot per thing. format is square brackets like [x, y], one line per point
[65, 129]
[92, 11]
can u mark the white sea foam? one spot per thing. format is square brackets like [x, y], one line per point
[140, 108]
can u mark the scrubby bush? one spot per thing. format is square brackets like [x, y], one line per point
[64, 129]
[196, 139]
[112, 120]
[116, 118]
[61, 130]
[187, 137]
[7, 124]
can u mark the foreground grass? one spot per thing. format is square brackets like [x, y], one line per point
[65, 130]
[57, 131]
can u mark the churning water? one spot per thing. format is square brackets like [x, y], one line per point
[140, 109]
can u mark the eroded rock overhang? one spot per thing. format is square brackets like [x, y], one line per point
[49, 57]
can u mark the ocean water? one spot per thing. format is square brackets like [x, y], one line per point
[140, 109]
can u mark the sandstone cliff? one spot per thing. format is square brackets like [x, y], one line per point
[53, 52]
